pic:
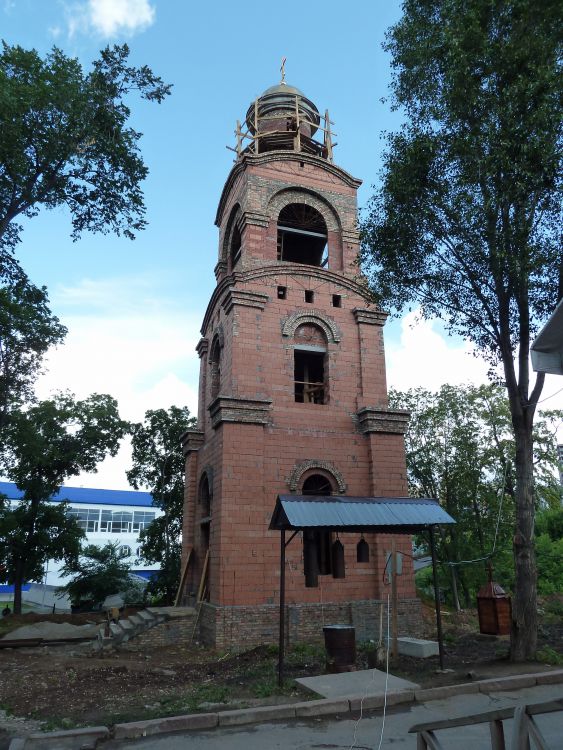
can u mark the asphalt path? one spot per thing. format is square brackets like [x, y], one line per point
[351, 734]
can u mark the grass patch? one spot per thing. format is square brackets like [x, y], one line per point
[548, 655]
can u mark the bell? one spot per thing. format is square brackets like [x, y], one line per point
[310, 563]
[338, 567]
[323, 552]
[362, 551]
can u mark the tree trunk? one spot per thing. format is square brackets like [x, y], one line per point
[18, 584]
[523, 641]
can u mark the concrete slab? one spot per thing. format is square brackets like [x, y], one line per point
[417, 647]
[363, 682]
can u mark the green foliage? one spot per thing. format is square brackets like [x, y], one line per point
[466, 224]
[550, 521]
[548, 655]
[97, 573]
[66, 141]
[27, 330]
[158, 464]
[44, 445]
[460, 450]
[550, 564]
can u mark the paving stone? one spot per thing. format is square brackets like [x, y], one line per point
[73, 739]
[549, 678]
[513, 682]
[394, 697]
[322, 707]
[255, 715]
[147, 728]
[436, 693]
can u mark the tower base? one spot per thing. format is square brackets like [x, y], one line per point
[240, 628]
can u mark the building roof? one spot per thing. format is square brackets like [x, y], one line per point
[86, 495]
[398, 515]
[547, 348]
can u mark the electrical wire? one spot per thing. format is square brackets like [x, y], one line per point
[364, 696]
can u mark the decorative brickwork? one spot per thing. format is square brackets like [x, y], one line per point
[192, 440]
[371, 317]
[294, 479]
[373, 419]
[245, 298]
[246, 410]
[316, 317]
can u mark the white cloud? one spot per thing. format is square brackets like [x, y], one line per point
[110, 18]
[126, 341]
[425, 358]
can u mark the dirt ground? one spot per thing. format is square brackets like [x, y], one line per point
[60, 687]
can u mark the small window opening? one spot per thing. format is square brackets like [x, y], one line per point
[205, 497]
[309, 295]
[301, 164]
[309, 377]
[302, 236]
[336, 300]
[215, 366]
[236, 242]
[282, 292]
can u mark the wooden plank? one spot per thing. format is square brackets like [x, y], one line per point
[202, 582]
[183, 577]
[496, 728]
[520, 736]
[432, 742]
[536, 735]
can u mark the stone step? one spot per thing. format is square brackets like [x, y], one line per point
[147, 616]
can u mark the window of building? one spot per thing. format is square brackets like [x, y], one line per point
[87, 518]
[215, 367]
[302, 235]
[282, 292]
[317, 484]
[141, 520]
[205, 496]
[310, 365]
[309, 295]
[125, 550]
[336, 300]
[235, 250]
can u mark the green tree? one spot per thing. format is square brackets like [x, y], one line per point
[27, 330]
[66, 140]
[158, 464]
[466, 224]
[460, 450]
[98, 572]
[46, 444]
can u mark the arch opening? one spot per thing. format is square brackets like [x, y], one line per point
[302, 235]
[310, 365]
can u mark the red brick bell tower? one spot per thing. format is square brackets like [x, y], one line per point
[292, 393]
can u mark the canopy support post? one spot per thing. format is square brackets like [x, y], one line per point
[436, 597]
[281, 649]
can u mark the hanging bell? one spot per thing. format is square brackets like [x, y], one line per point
[362, 551]
[310, 562]
[338, 567]
[323, 552]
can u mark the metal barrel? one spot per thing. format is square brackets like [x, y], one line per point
[340, 644]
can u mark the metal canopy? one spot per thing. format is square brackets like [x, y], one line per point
[547, 349]
[392, 515]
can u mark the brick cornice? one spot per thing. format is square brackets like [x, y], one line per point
[202, 347]
[255, 218]
[377, 419]
[241, 410]
[370, 317]
[191, 441]
[244, 298]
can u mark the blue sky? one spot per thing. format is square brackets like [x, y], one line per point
[134, 309]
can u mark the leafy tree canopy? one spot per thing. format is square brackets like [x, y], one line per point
[66, 140]
[158, 464]
[27, 330]
[46, 444]
[466, 224]
[97, 573]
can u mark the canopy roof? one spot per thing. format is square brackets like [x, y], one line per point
[393, 515]
[547, 349]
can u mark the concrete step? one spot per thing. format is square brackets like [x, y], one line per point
[147, 616]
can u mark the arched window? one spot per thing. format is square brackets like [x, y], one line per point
[205, 496]
[317, 484]
[310, 365]
[302, 235]
[234, 249]
[215, 367]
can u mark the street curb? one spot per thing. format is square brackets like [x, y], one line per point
[89, 737]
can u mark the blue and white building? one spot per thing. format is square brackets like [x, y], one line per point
[105, 516]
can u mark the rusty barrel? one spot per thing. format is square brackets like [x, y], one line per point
[340, 644]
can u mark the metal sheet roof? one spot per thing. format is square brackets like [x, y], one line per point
[399, 515]
[86, 495]
[547, 349]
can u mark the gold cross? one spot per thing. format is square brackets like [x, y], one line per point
[282, 69]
